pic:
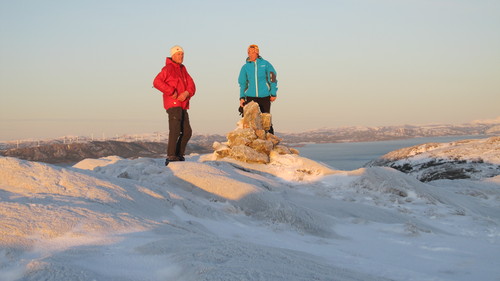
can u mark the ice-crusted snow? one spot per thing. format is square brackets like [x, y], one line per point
[293, 219]
[474, 159]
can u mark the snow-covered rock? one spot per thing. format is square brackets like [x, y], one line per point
[465, 159]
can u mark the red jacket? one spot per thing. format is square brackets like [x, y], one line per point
[173, 80]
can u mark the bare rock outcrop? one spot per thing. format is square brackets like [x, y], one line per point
[251, 142]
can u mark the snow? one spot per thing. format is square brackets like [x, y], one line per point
[472, 158]
[487, 121]
[293, 219]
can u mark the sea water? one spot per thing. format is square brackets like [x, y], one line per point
[351, 156]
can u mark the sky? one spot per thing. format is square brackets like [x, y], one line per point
[87, 67]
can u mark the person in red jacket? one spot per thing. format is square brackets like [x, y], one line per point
[178, 88]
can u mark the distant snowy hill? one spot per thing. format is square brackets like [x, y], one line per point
[197, 141]
[324, 135]
[466, 159]
[72, 148]
[77, 151]
[292, 219]
[74, 152]
[367, 134]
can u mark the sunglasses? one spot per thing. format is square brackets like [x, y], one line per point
[253, 47]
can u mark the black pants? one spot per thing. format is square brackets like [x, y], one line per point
[264, 105]
[179, 131]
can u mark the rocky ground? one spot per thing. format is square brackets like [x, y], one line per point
[466, 159]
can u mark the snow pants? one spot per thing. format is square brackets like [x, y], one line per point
[179, 131]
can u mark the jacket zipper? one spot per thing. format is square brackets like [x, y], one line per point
[256, 81]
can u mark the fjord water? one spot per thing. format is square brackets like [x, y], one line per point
[351, 156]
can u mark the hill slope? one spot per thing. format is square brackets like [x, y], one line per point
[293, 219]
[465, 159]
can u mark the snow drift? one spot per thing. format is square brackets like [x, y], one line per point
[293, 219]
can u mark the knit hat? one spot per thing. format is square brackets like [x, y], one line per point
[253, 46]
[175, 49]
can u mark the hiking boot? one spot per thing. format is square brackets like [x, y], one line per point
[172, 159]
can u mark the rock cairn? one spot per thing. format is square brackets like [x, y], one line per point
[251, 142]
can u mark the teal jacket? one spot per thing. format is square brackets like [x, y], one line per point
[257, 79]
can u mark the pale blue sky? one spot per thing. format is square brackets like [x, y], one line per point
[86, 67]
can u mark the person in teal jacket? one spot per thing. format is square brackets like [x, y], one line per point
[258, 82]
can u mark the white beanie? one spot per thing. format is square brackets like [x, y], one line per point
[175, 49]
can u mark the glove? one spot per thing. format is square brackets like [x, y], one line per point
[242, 104]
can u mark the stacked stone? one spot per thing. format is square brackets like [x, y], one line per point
[251, 142]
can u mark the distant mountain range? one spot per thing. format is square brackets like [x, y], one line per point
[73, 149]
[366, 134]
